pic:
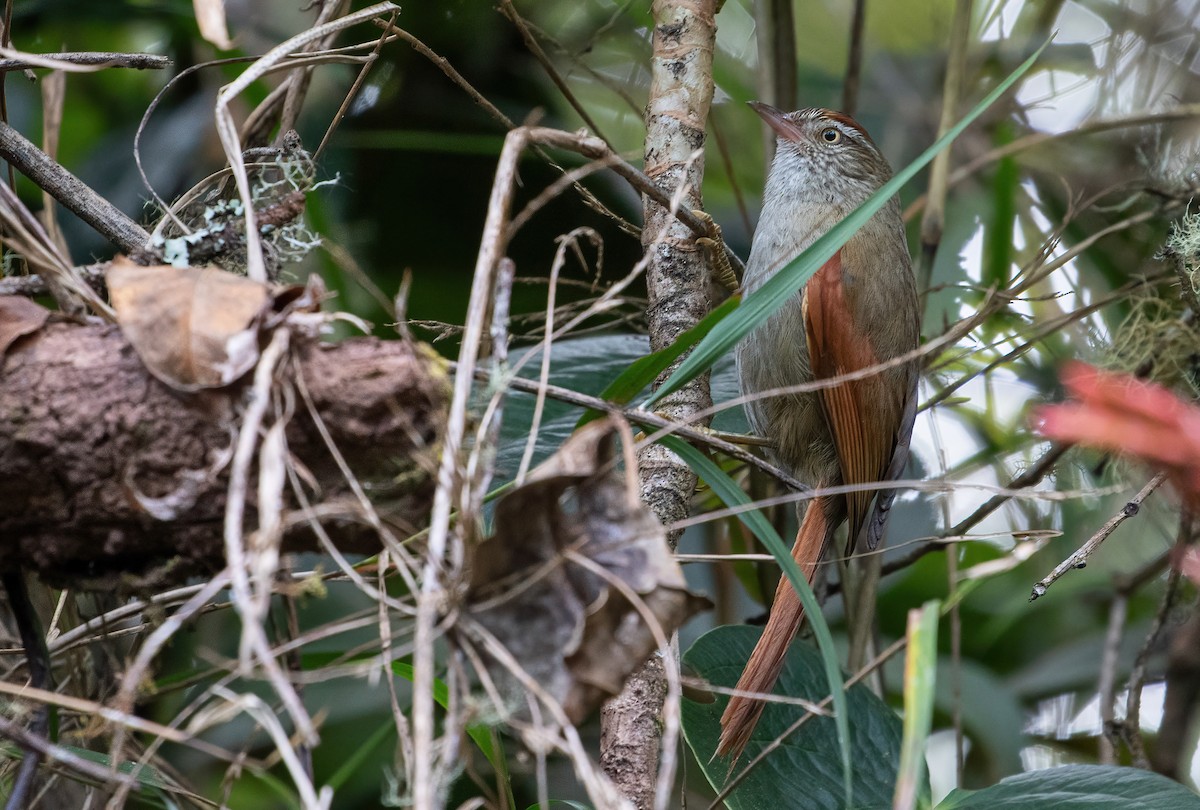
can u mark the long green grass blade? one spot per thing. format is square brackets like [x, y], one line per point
[732, 495]
[759, 305]
[920, 671]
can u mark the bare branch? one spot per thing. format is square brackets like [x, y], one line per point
[81, 61]
[72, 192]
[1079, 558]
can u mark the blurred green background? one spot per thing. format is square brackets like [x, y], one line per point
[414, 160]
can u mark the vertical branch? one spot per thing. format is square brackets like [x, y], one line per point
[677, 282]
[939, 172]
[854, 60]
[38, 659]
[776, 25]
[1106, 687]
[1179, 705]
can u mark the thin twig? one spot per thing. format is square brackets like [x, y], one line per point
[228, 133]
[589, 147]
[1079, 558]
[1051, 326]
[92, 709]
[942, 542]
[547, 347]
[64, 757]
[352, 93]
[298, 81]
[1030, 141]
[1179, 705]
[510, 11]
[654, 420]
[35, 285]
[1131, 725]
[447, 495]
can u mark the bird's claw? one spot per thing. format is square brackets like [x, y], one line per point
[714, 245]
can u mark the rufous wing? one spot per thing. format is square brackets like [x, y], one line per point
[863, 414]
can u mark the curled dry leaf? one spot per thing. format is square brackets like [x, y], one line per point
[210, 17]
[18, 317]
[535, 587]
[193, 327]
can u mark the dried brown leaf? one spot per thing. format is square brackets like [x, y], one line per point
[193, 327]
[569, 626]
[18, 317]
[210, 16]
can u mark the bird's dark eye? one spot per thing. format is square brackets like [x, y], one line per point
[831, 135]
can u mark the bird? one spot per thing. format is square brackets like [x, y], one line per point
[858, 311]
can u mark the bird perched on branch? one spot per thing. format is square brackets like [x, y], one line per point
[859, 311]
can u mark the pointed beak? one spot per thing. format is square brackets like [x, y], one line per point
[777, 120]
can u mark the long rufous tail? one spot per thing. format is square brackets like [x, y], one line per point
[766, 662]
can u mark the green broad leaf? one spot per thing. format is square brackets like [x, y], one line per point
[732, 495]
[583, 365]
[805, 772]
[144, 775]
[759, 305]
[991, 714]
[586, 365]
[920, 675]
[157, 790]
[482, 735]
[642, 372]
[1096, 787]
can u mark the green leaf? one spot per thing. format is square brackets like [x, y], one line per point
[583, 365]
[158, 790]
[759, 305]
[804, 773]
[586, 365]
[732, 495]
[990, 713]
[645, 370]
[361, 754]
[1096, 787]
[143, 774]
[998, 237]
[920, 675]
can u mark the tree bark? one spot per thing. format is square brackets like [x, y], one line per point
[90, 436]
[678, 289]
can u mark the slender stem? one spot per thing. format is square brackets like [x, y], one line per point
[38, 659]
[934, 217]
[854, 60]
